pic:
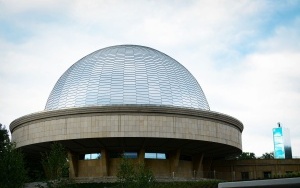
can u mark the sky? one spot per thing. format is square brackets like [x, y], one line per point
[244, 54]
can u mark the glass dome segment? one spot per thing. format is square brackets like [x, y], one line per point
[127, 74]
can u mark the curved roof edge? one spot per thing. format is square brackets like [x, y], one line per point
[128, 108]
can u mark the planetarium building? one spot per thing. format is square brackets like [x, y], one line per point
[133, 101]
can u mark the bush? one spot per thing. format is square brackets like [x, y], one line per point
[125, 173]
[59, 183]
[130, 175]
[143, 176]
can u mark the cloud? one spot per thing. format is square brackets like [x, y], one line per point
[244, 58]
[262, 89]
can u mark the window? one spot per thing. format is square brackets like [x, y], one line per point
[185, 158]
[155, 156]
[267, 174]
[245, 175]
[128, 155]
[91, 156]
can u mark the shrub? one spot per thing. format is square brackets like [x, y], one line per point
[138, 175]
[125, 173]
[144, 176]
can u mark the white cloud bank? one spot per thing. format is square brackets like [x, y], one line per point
[246, 62]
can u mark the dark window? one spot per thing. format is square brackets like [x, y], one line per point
[115, 155]
[185, 158]
[81, 157]
[128, 155]
[267, 175]
[245, 175]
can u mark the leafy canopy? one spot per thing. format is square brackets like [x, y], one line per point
[246, 155]
[4, 138]
[267, 155]
[55, 161]
[12, 167]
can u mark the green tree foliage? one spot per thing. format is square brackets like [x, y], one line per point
[144, 176]
[35, 170]
[134, 175]
[246, 155]
[55, 162]
[12, 167]
[125, 173]
[4, 138]
[267, 155]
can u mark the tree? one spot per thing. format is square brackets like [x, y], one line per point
[125, 173]
[134, 175]
[55, 161]
[144, 176]
[246, 155]
[267, 155]
[4, 138]
[56, 167]
[12, 167]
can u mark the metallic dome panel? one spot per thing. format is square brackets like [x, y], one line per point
[127, 74]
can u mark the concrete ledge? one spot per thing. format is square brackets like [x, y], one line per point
[285, 182]
[128, 109]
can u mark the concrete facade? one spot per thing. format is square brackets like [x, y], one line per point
[232, 170]
[177, 132]
[128, 124]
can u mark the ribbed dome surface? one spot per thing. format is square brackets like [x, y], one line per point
[127, 75]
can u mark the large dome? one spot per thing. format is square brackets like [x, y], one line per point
[127, 75]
